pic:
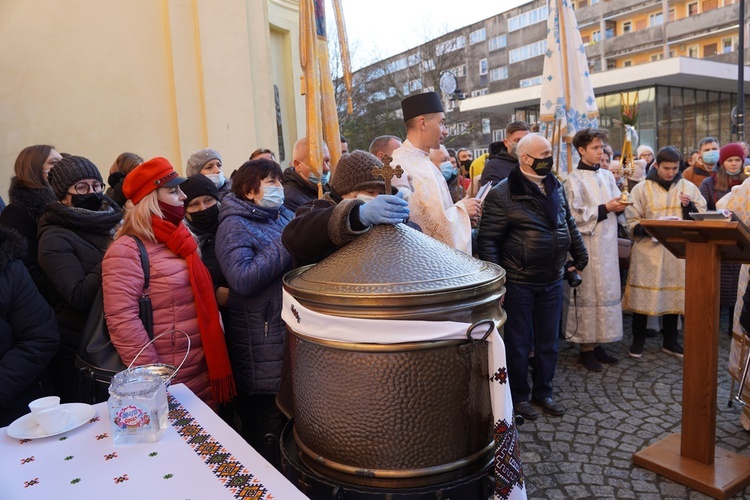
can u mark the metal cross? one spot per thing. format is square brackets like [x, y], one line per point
[387, 172]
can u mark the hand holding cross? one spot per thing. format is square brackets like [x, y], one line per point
[387, 172]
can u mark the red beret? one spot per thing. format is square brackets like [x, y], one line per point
[730, 151]
[148, 176]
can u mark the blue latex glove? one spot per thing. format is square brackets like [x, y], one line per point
[384, 209]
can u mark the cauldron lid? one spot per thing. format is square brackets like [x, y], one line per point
[391, 262]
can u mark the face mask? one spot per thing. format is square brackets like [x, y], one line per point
[710, 157]
[365, 197]
[466, 164]
[542, 166]
[172, 213]
[447, 170]
[273, 197]
[206, 220]
[90, 201]
[217, 179]
[323, 180]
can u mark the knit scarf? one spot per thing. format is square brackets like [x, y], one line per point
[179, 240]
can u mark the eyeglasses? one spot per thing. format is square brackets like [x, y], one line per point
[86, 188]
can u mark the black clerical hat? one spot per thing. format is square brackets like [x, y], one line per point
[421, 104]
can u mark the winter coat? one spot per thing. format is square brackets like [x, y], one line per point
[173, 307]
[516, 232]
[498, 167]
[25, 208]
[696, 175]
[28, 332]
[298, 191]
[207, 245]
[253, 259]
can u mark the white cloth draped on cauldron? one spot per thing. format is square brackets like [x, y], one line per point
[509, 479]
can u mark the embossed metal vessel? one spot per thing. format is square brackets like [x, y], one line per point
[408, 414]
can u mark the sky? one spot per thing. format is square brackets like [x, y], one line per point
[382, 28]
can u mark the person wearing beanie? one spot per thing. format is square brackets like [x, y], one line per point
[180, 288]
[423, 185]
[356, 202]
[645, 153]
[707, 160]
[248, 247]
[202, 218]
[207, 161]
[73, 235]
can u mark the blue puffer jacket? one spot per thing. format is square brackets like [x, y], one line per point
[253, 260]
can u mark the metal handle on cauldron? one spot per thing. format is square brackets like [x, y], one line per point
[473, 343]
[169, 379]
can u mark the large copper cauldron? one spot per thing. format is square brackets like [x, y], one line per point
[412, 413]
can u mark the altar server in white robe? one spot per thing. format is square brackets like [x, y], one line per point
[656, 278]
[422, 185]
[593, 313]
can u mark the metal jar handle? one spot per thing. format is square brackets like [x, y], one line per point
[474, 343]
[166, 382]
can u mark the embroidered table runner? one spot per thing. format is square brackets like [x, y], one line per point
[199, 456]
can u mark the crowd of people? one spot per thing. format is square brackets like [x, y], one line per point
[218, 246]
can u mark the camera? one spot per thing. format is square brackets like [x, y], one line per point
[572, 277]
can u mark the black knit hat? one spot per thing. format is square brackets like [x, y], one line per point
[198, 185]
[70, 170]
[354, 172]
[421, 104]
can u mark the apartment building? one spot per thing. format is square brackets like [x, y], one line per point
[679, 56]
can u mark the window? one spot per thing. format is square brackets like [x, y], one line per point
[477, 36]
[527, 18]
[477, 93]
[709, 50]
[450, 45]
[728, 44]
[376, 73]
[498, 42]
[459, 71]
[657, 57]
[692, 9]
[596, 36]
[480, 151]
[457, 128]
[528, 51]
[406, 89]
[415, 85]
[672, 53]
[498, 135]
[428, 65]
[397, 65]
[693, 51]
[460, 42]
[671, 15]
[627, 64]
[392, 92]
[656, 19]
[377, 96]
[500, 73]
[611, 64]
[528, 82]
[483, 66]
[486, 126]
[627, 27]
[414, 59]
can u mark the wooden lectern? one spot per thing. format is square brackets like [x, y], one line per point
[691, 457]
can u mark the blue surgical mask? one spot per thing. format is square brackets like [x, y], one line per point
[710, 157]
[323, 180]
[217, 179]
[447, 170]
[273, 197]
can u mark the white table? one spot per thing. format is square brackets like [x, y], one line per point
[199, 457]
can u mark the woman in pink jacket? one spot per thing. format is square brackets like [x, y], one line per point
[181, 291]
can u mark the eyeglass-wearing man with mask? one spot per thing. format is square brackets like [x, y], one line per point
[528, 229]
[300, 180]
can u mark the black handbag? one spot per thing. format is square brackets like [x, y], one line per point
[97, 359]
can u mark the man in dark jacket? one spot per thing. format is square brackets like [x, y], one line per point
[300, 181]
[503, 157]
[528, 229]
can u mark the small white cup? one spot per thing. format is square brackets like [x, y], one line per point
[42, 404]
[52, 420]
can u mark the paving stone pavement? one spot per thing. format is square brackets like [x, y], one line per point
[587, 453]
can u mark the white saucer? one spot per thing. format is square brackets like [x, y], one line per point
[26, 428]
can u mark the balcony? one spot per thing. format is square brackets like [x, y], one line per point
[703, 23]
[653, 36]
[610, 9]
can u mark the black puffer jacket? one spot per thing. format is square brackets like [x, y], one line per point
[498, 166]
[28, 332]
[516, 232]
[72, 243]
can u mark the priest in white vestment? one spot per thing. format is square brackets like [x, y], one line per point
[593, 312]
[656, 278]
[424, 187]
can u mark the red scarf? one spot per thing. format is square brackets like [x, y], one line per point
[181, 242]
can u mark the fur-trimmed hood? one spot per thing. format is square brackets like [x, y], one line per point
[12, 247]
[34, 200]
